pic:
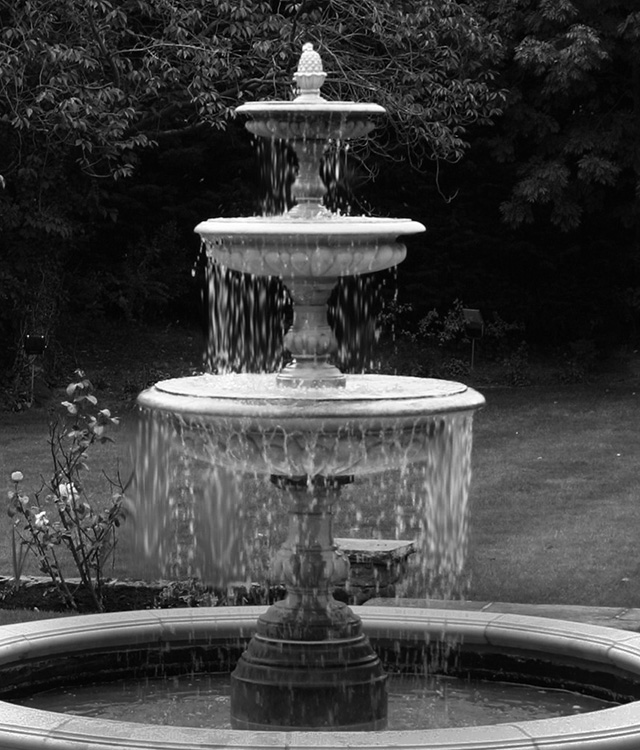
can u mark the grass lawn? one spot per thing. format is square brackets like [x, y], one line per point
[555, 498]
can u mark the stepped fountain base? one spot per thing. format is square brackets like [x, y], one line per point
[309, 667]
[309, 685]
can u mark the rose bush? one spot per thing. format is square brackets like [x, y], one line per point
[61, 515]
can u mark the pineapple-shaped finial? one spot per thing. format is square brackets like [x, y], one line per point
[309, 77]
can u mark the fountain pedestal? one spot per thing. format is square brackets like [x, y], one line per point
[311, 341]
[309, 666]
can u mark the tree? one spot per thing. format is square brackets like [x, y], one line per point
[572, 121]
[569, 160]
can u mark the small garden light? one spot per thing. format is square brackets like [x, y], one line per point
[34, 344]
[474, 328]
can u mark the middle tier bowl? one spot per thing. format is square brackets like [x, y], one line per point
[327, 246]
[247, 423]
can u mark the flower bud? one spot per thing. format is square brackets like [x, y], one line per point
[17, 476]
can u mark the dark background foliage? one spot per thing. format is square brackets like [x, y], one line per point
[513, 134]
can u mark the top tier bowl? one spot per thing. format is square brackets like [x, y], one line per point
[318, 119]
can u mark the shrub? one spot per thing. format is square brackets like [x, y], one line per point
[62, 516]
[578, 361]
[516, 366]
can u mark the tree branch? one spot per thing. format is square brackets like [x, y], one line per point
[103, 48]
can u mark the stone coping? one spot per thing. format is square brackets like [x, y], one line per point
[317, 106]
[283, 228]
[400, 402]
[616, 728]
[264, 387]
[624, 618]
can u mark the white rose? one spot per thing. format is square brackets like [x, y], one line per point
[40, 520]
[67, 490]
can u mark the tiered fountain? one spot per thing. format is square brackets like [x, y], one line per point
[310, 428]
[310, 664]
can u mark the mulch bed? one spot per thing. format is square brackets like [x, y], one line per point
[118, 596]
[41, 594]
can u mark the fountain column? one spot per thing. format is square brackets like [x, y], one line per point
[310, 340]
[309, 666]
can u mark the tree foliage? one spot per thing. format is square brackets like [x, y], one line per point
[102, 79]
[428, 64]
[572, 123]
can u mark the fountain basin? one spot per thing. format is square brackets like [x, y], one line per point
[374, 423]
[309, 248]
[42, 654]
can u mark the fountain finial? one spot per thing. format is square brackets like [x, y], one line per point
[309, 76]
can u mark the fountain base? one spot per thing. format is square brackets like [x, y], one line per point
[309, 685]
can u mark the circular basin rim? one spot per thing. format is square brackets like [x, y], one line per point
[28, 728]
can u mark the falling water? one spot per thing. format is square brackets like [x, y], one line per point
[188, 511]
[249, 314]
[440, 500]
[247, 318]
[208, 507]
